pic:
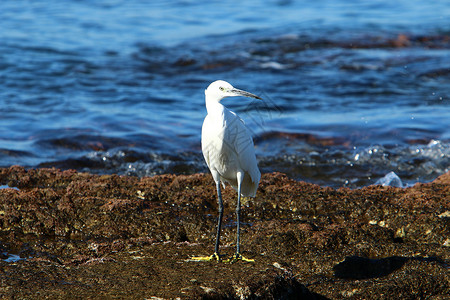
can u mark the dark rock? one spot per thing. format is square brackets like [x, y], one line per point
[87, 236]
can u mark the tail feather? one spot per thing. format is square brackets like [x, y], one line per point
[249, 184]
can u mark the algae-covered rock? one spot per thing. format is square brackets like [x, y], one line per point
[83, 235]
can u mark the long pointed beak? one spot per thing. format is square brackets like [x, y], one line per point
[238, 92]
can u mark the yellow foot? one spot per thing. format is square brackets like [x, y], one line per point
[215, 256]
[237, 257]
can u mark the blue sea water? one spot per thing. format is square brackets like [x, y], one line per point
[352, 89]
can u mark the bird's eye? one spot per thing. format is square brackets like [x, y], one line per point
[221, 88]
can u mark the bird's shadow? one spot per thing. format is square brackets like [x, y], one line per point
[357, 268]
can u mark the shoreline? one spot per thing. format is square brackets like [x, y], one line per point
[79, 234]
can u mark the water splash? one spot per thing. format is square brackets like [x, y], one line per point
[390, 179]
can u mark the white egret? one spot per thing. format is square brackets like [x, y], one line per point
[228, 149]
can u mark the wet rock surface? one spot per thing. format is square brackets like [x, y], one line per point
[66, 234]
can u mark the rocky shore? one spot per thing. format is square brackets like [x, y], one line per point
[71, 235]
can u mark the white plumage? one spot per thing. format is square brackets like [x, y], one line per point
[228, 149]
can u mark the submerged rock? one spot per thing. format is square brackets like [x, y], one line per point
[90, 236]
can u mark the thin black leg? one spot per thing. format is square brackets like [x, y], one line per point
[238, 216]
[216, 255]
[219, 223]
[238, 255]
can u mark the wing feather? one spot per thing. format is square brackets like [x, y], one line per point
[245, 153]
[227, 147]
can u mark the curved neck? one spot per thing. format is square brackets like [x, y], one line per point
[213, 106]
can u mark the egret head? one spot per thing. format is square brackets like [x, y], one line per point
[220, 89]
